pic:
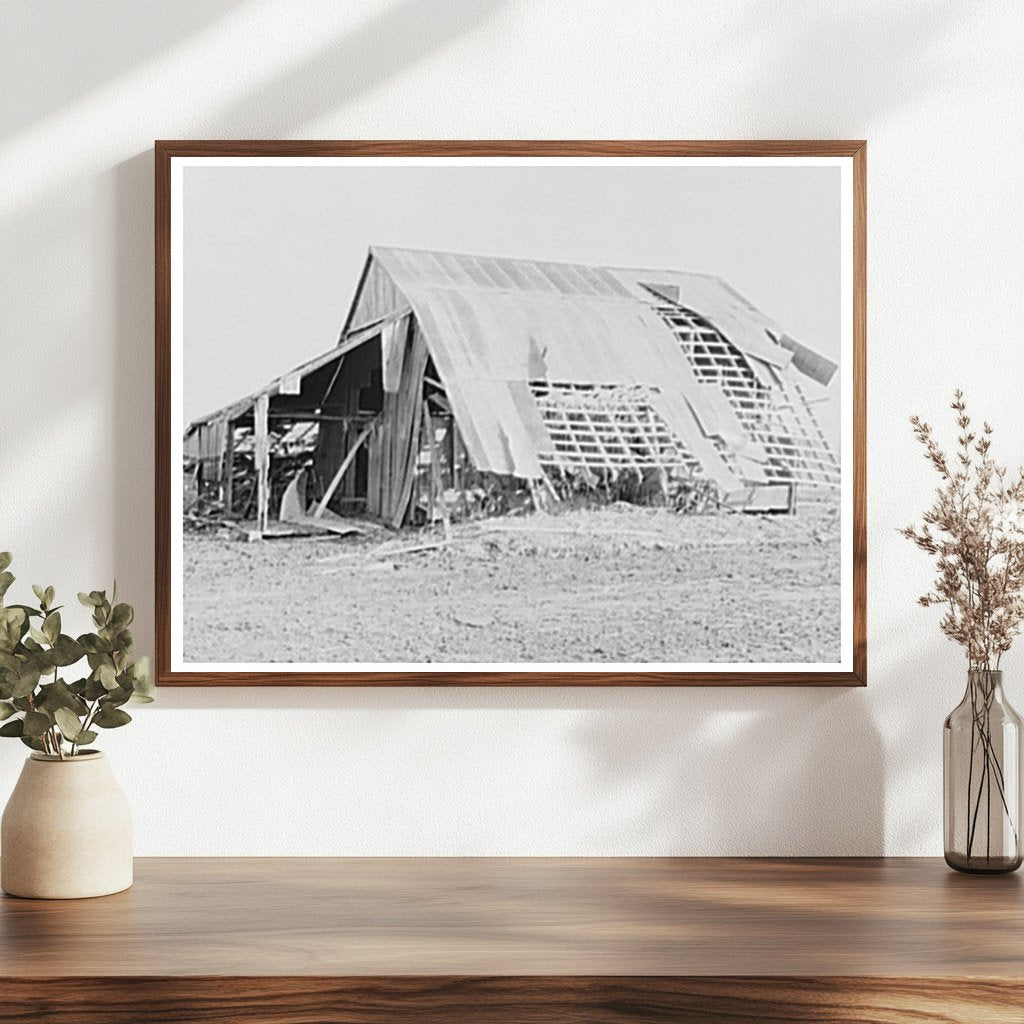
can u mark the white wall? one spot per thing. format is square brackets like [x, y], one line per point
[936, 88]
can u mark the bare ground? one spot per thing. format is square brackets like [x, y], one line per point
[621, 584]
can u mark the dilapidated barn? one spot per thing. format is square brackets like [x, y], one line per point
[460, 381]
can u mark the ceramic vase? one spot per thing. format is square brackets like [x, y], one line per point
[66, 832]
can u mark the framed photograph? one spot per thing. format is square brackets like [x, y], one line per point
[493, 413]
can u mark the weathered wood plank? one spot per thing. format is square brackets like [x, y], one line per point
[262, 456]
[405, 437]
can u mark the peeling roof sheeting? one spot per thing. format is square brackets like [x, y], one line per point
[743, 324]
[492, 323]
[492, 428]
[809, 362]
[679, 414]
[735, 317]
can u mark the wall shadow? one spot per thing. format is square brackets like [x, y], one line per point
[395, 39]
[50, 41]
[740, 772]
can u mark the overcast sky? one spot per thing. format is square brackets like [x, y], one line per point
[272, 255]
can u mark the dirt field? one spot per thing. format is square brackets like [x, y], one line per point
[623, 584]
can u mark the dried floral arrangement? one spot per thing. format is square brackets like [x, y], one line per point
[975, 530]
[47, 713]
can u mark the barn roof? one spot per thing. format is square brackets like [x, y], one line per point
[485, 278]
[494, 324]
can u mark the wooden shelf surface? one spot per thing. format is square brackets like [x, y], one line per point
[373, 934]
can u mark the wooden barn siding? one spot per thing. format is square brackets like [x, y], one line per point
[393, 446]
[207, 443]
[400, 429]
[335, 437]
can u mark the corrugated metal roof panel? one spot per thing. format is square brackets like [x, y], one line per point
[809, 362]
[591, 329]
[495, 434]
[678, 413]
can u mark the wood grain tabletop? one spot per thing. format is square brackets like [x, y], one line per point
[517, 916]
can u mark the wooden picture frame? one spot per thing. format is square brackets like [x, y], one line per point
[850, 156]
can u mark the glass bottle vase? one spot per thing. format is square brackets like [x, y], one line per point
[981, 771]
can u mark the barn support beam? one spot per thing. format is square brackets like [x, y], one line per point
[262, 457]
[227, 473]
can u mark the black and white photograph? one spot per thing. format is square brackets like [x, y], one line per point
[511, 414]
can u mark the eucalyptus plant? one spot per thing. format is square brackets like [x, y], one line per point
[37, 704]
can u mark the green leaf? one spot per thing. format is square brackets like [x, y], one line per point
[40, 592]
[89, 600]
[5, 560]
[50, 594]
[59, 695]
[107, 676]
[69, 724]
[6, 710]
[36, 723]
[86, 736]
[27, 681]
[122, 615]
[28, 610]
[94, 644]
[13, 728]
[115, 698]
[13, 623]
[31, 741]
[51, 626]
[66, 651]
[6, 579]
[38, 635]
[94, 689]
[108, 718]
